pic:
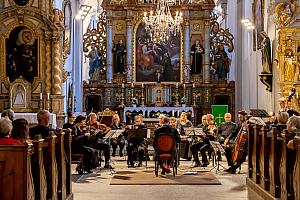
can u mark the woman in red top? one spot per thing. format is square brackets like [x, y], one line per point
[5, 131]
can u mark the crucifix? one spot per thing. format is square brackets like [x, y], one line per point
[220, 118]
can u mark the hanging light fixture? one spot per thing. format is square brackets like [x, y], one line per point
[161, 24]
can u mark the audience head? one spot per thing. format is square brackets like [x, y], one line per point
[203, 119]
[242, 115]
[92, 117]
[281, 102]
[289, 105]
[282, 117]
[173, 122]
[293, 125]
[272, 117]
[161, 118]
[80, 120]
[20, 129]
[115, 119]
[227, 117]
[71, 117]
[43, 117]
[5, 127]
[9, 114]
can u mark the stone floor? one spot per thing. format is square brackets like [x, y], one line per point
[96, 185]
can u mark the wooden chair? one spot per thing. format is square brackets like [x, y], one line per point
[165, 150]
[105, 117]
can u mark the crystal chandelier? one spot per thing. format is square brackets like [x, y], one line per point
[162, 25]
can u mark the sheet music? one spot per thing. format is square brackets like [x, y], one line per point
[110, 134]
[216, 146]
[194, 131]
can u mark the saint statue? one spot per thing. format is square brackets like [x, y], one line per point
[119, 51]
[95, 61]
[221, 63]
[197, 50]
[266, 53]
[18, 98]
[290, 67]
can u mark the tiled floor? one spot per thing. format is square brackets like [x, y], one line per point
[96, 186]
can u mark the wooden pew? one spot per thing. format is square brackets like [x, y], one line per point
[250, 150]
[50, 165]
[256, 154]
[16, 180]
[61, 165]
[296, 173]
[39, 175]
[264, 159]
[67, 145]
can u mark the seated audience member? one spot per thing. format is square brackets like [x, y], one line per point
[20, 130]
[281, 120]
[173, 122]
[166, 128]
[120, 140]
[5, 132]
[71, 121]
[136, 146]
[282, 105]
[293, 126]
[290, 110]
[9, 114]
[42, 128]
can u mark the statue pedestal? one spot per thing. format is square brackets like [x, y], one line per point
[266, 79]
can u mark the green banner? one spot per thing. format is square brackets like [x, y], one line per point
[218, 111]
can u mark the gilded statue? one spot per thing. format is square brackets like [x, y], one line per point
[266, 53]
[57, 18]
[284, 12]
[289, 66]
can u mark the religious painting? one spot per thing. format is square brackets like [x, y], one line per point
[21, 2]
[258, 20]
[156, 61]
[18, 96]
[67, 23]
[21, 54]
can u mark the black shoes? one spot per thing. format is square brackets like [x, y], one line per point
[230, 170]
[121, 154]
[205, 164]
[197, 165]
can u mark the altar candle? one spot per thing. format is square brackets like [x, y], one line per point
[297, 95]
[48, 96]
[142, 85]
[132, 85]
[183, 86]
[123, 86]
[193, 85]
[41, 96]
[176, 85]
[173, 113]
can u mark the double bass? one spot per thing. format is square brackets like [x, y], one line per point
[239, 144]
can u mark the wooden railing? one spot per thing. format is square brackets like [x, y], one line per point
[273, 169]
[50, 177]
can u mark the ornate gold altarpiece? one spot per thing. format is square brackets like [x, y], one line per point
[32, 71]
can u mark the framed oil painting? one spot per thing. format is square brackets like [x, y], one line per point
[258, 20]
[67, 9]
[156, 61]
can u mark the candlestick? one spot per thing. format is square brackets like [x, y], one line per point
[142, 85]
[184, 86]
[48, 96]
[193, 85]
[132, 85]
[41, 96]
[123, 86]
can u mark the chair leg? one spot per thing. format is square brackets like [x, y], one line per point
[156, 167]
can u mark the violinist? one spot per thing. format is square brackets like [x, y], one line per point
[71, 123]
[160, 121]
[136, 147]
[80, 144]
[116, 125]
[242, 115]
[173, 122]
[98, 131]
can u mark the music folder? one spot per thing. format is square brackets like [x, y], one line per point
[137, 133]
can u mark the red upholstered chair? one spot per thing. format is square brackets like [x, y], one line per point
[105, 117]
[165, 150]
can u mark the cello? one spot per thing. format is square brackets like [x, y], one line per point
[239, 144]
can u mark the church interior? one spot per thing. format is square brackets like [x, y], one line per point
[150, 99]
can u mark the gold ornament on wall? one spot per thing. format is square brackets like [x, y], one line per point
[286, 12]
[196, 27]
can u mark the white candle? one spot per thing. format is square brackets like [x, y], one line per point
[41, 96]
[183, 86]
[132, 85]
[123, 86]
[48, 96]
[173, 113]
[142, 85]
[193, 85]
[176, 85]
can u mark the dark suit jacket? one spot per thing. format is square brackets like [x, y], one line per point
[40, 129]
[167, 129]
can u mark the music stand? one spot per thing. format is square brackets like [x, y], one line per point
[217, 147]
[259, 113]
[138, 134]
[108, 137]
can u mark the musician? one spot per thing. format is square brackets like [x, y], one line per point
[160, 121]
[226, 129]
[166, 128]
[242, 115]
[116, 125]
[71, 123]
[97, 133]
[173, 122]
[135, 145]
[203, 145]
[290, 110]
[185, 144]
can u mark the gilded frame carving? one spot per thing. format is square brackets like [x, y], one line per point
[136, 25]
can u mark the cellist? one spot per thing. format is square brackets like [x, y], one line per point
[233, 166]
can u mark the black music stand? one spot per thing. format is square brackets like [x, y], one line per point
[108, 137]
[259, 113]
[217, 147]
